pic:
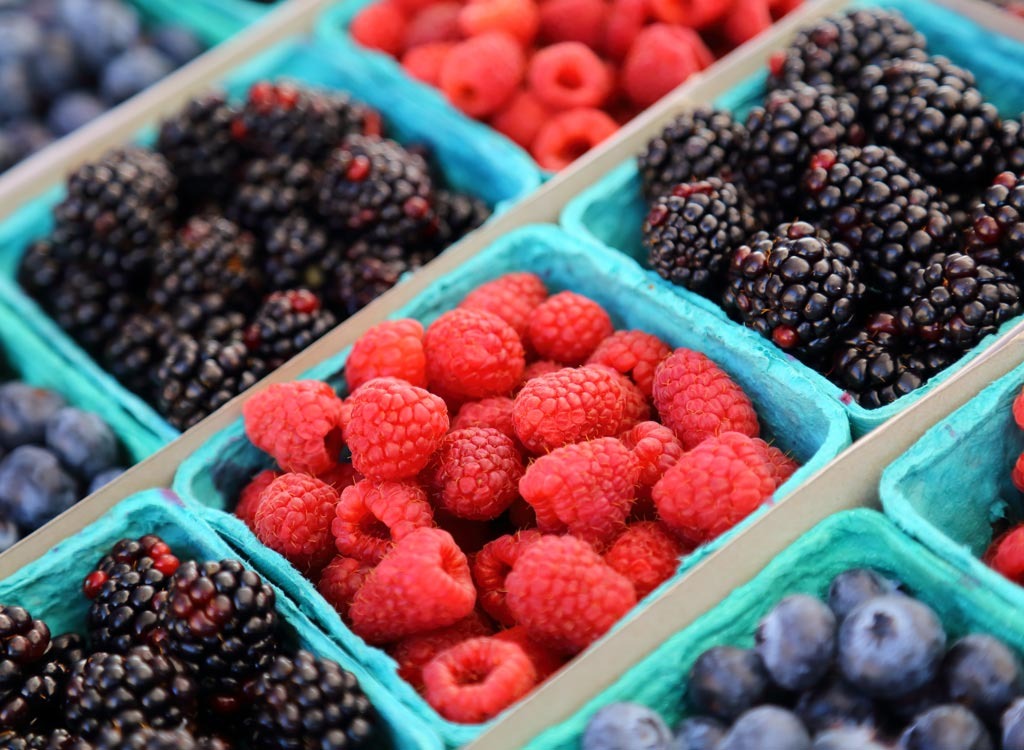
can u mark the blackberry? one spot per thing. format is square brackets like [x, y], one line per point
[996, 233]
[696, 145]
[270, 190]
[302, 702]
[89, 310]
[286, 324]
[930, 113]
[209, 316]
[1010, 149]
[138, 554]
[955, 302]
[366, 272]
[124, 612]
[837, 48]
[299, 254]
[796, 288]
[691, 233]
[792, 126]
[42, 267]
[136, 350]
[138, 689]
[457, 215]
[58, 739]
[147, 738]
[373, 187]
[221, 620]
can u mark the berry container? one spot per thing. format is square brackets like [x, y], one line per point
[471, 157]
[792, 410]
[612, 210]
[857, 538]
[213, 20]
[49, 588]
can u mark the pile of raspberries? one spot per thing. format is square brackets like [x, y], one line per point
[1006, 553]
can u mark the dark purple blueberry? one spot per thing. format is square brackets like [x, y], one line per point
[53, 66]
[83, 442]
[834, 704]
[981, 673]
[102, 29]
[767, 727]
[949, 727]
[725, 681]
[34, 488]
[848, 738]
[131, 72]
[105, 477]
[1013, 726]
[15, 90]
[852, 588]
[72, 111]
[9, 534]
[24, 412]
[797, 641]
[626, 726]
[699, 733]
[177, 42]
[20, 34]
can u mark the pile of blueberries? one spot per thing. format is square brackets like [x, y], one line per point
[65, 62]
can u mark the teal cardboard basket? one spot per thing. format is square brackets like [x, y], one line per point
[213, 20]
[951, 486]
[854, 539]
[470, 156]
[793, 412]
[612, 210]
[50, 588]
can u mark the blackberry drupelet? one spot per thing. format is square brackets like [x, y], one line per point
[42, 267]
[699, 144]
[139, 554]
[124, 613]
[366, 272]
[43, 688]
[796, 288]
[457, 215]
[270, 190]
[210, 315]
[89, 310]
[1010, 148]
[24, 642]
[286, 324]
[691, 233]
[58, 739]
[305, 702]
[299, 254]
[137, 349]
[996, 233]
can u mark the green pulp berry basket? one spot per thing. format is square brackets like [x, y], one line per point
[213, 20]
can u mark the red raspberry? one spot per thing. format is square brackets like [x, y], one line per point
[341, 581]
[633, 353]
[573, 21]
[394, 428]
[477, 679]
[655, 448]
[1017, 473]
[340, 476]
[294, 519]
[251, 495]
[569, 135]
[489, 412]
[780, 8]
[782, 466]
[392, 349]
[490, 568]
[438, 22]
[522, 515]
[568, 327]
[565, 595]
[646, 554]
[473, 354]
[1006, 555]
[422, 584]
[567, 406]
[696, 399]
[626, 20]
[661, 58]
[521, 118]
[1018, 409]
[416, 651]
[635, 406]
[713, 487]
[747, 19]
[512, 297]
[518, 18]
[540, 367]
[380, 26]
[695, 14]
[299, 424]
[568, 75]
[482, 73]
[471, 536]
[373, 516]
[477, 473]
[424, 63]
[545, 660]
[412, 7]
[587, 488]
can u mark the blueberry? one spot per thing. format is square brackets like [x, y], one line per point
[981, 673]
[904, 708]
[891, 645]
[834, 704]
[105, 477]
[29, 135]
[177, 42]
[698, 733]
[797, 641]
[854, 587]
[767, 727]
[19, 34]
[9, 534]
[102, 29]
[626, 726]
[15, 90]
[72, 111]
[1013, 726]
[54, 66]
[949, 727]
[131, 72]
[847, 738]
[24, 412]
[726, 681]
[10, 151]
[34, 488]
[83, 442]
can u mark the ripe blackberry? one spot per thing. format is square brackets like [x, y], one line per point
[286, 324]
[209, 316]
[270, 190]
[139, 554]
[690, 234]
[137, 349]
[996, 233]
[299, 254]
[42, 267]
[374, 187]
[58, 739]
[89, 310]
[366, 272]
[221, 619]
[1010, 148]
[955, 302]
[698, 144]
[303, 701]
[457, 215]
[138, 689]
[930, 113]
[147, 738]
[792, 126]
[837, 48]
[124, 612]
[796, 288]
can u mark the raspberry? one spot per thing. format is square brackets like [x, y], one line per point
[372, 516]
[489, 412]
[424, 63]
[696, 399]
[1018, 409]
[294, 518]
[423, 583]
[587, 488]
[299, 424]
[438, 22]
[568, 135]
[568, 75]
[1006, 555]
[341, 581]
[416, 651]
[626, 20]
[392, 349]
[713, 487]
[520, 19]
[482, 73]
[521, 118]
[522, 515]
[568, 327]
[633, 353]
[473, 354]
[512, 297]
[565, 595]
[340, 476]
[477, 473]
[782, 466]
[471, 536]
[477, 679]
[394, 428]
[661, 58]
[655, 448]
[635, 406]
[412, 7]
[747, 19]
[646, 554]
[380, 26]
[251, 494]
[695, 14]
[567, 406]
[1017, 473]
[492, 565]
[573, 21]
[545, 660]
[540, 367]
